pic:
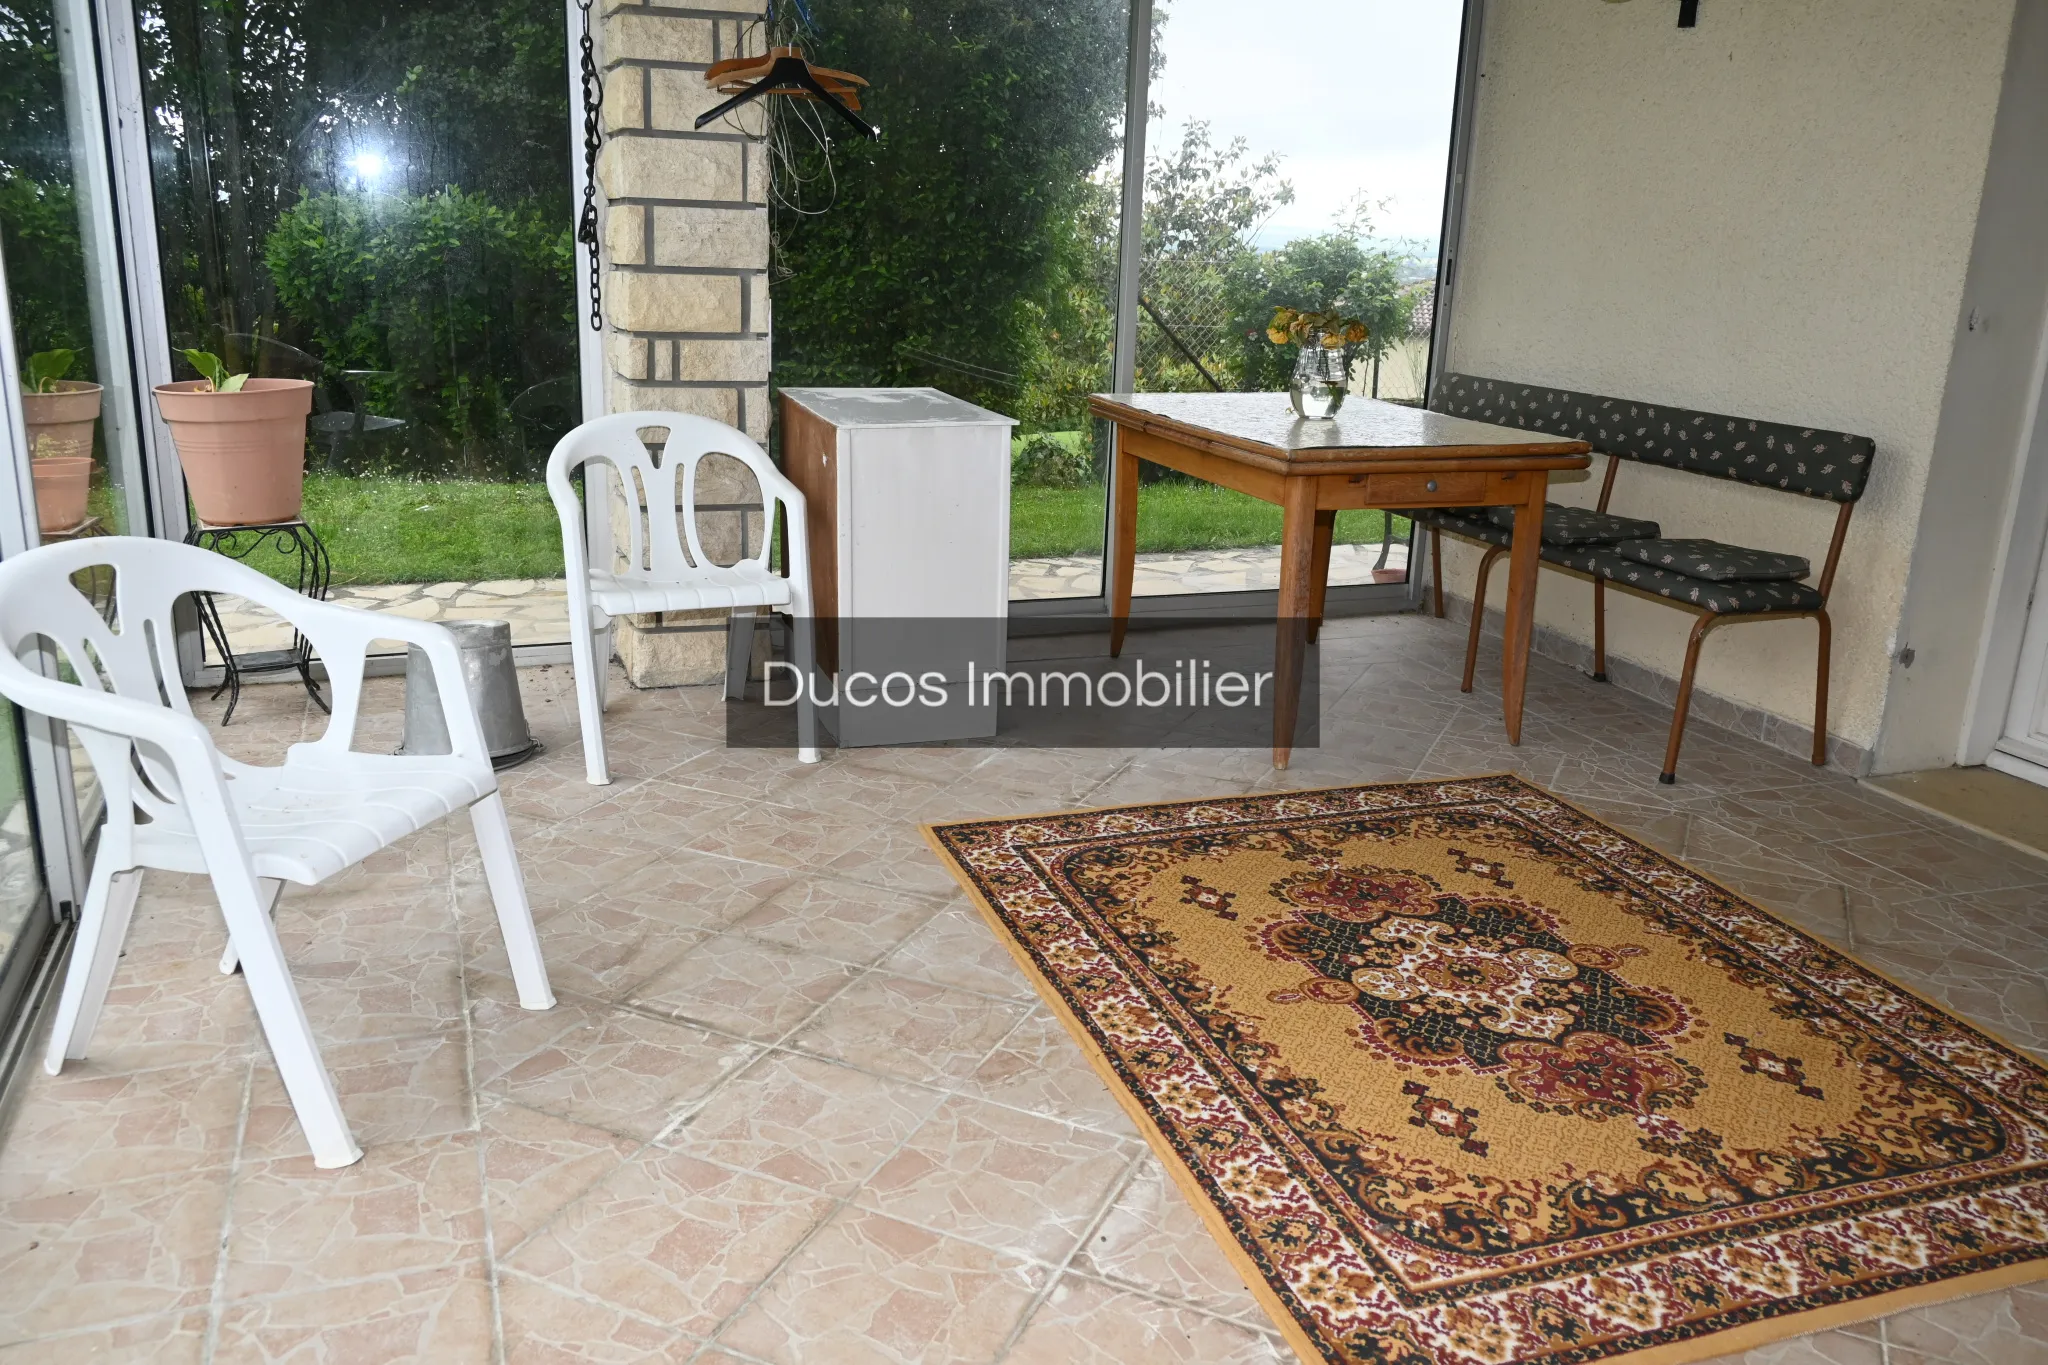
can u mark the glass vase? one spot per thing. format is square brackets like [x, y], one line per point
[1322, 376]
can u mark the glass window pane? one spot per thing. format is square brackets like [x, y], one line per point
[1260, 193]
[376, 199]
[78, 400]
[973, 248]
[68, 376]
[24, 916]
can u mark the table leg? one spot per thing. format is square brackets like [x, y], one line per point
[1123, 543]
[1523, 567]
[1297, 575]
[1319, 570]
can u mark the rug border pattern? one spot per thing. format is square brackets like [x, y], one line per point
[1999, 1067]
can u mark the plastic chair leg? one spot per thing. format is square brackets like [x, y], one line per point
[306, 1081]
[269, 888]
[508, 897]
[803, 645]
[102, 927]
[590, 703]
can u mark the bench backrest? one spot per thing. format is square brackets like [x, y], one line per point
[1820, 464]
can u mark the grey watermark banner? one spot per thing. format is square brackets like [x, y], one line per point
[1198, 683]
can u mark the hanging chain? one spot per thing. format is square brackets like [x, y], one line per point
[593, 139]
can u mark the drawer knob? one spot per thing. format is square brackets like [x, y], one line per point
[1431, 485]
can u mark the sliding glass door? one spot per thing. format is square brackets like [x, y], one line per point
[1295, 155]
[1315, 184]
[376, 197]
[69, 462]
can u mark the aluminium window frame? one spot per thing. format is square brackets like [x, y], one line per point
[45, 756]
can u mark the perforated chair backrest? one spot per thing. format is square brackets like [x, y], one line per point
[1834, 465]
[118, 680]
[664, 539]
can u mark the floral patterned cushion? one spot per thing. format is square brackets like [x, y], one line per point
[1713, 560]
[1564, 525]
[1603, 561]
[1821, 464]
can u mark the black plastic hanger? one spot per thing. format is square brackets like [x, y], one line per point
[790, 74]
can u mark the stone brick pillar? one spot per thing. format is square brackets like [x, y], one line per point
[686, 282]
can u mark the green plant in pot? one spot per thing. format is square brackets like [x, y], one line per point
[241, 441]
[60, 414]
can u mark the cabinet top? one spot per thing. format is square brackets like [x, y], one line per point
[893, 408]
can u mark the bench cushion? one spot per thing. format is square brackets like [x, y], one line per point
[1820, 464]
[1602, 561]
[1580, 525]
[1469, 522]
[1561, 525]
[1711, 559]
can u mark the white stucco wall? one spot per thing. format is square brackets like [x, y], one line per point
[1769, 215]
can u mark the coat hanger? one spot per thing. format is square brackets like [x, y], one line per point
[783, 71]
[735, 74]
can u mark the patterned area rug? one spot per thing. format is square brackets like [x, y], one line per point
[1458, 1074]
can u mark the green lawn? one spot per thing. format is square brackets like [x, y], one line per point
[1171, 516]
[398, 531]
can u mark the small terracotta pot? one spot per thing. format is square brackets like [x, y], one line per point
[244, 453]
[61, 484]
[60, 423]
[1390, 575]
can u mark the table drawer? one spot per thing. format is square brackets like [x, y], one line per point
[1431, 490]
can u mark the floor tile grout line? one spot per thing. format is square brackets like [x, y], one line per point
[475, 1109]
[1116, 1192]
[839, 1206]
[585, 1296]
[1260, 1321]
[677, 1119]
[217, 1300]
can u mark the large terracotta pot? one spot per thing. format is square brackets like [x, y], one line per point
[61, 483]
[244, 453]
[60, 422]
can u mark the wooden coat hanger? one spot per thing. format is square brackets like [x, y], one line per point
[783, 71]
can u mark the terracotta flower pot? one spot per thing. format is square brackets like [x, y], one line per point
[244, 453]
[60, 423]
[61, 484]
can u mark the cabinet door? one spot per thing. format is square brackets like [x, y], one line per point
[928, 521]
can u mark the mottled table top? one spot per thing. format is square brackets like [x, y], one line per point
[1363, 427]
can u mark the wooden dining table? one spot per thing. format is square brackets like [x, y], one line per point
[1372, 454]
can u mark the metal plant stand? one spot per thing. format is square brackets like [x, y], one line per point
[293, 540]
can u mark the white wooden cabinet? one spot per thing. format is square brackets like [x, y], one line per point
[908, 505]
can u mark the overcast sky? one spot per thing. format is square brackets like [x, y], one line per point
[1353, 94]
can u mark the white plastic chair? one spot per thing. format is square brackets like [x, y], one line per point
[666, 567]
[175, 802]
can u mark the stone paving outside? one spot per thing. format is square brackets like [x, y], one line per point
[539, 612]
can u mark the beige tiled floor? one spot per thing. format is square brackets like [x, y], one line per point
[795, 1104]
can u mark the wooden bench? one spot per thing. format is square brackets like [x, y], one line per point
[1719, 583]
